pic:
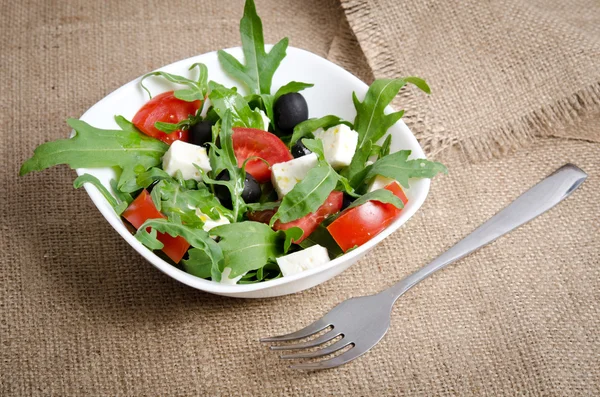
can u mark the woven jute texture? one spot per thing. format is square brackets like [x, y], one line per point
[501, 71]
[81, 313]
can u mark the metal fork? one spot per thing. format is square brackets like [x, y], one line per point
[362, 322]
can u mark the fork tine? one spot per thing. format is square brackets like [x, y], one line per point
[343, 358]
[315, 327]
[340, 344]
[311, 343]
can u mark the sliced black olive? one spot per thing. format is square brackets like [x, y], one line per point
[251, 193]
[290, 110]
[299, 150]
[201, 133]
[347, 200]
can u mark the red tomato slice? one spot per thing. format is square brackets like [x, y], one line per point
[308, 223]
[140, 210]
[248, 142]
[360, 224]
[166, 108]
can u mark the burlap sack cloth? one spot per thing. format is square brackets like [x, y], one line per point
[82, 314]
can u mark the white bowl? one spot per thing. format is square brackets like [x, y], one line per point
[332, 94]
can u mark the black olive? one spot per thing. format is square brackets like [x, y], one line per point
[250, 194]
[290, 110]
[201, 133]
[347, 200]
[299, 150]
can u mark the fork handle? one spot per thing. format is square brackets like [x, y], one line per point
[537, 200]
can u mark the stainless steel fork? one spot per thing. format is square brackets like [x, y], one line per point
[362, 322]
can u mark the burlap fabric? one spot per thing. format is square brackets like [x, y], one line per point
[503, 71]
[82, 314]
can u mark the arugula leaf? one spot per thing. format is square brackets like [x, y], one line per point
[198, 264]
[419, 83]
[398, 167]
[385, 146]
[223, 158]
[179, 203]
[358, 162]
[147, 178]
[292, 86]
[307, 127]
[122, 196]
[308, 194]
[292, 234]
[260, 67]
[247, 246]
[92, 147]
[196, 89]
[119, 207]
[322, 237]
[381, 195]
[228, 99]
[371, 122]
[197, 238]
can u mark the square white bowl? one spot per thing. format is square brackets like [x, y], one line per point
[331, 94]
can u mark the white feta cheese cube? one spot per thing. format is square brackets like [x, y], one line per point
[211, 223]
[339, 144]
[182, 156]
[266, 120]
[285, 175]
[303, 260]
[379, 182]
[229, 281]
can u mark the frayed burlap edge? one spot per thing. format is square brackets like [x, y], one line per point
[488, 144]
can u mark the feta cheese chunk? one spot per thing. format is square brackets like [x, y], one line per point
[303, 260]
[379, 182]
[339, 144]
[211, 223]
[229, 281]
[285, 175]
[182, 156]
[266, 120]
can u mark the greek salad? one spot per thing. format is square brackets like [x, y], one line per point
[247, 188]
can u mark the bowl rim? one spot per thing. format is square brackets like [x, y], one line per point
[217, 288]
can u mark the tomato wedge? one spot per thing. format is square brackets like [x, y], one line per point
[140, 210]
[249, 142]
[308, 223]
[358, 225]
[166, 108]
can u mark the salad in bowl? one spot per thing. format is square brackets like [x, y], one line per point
[227, 180]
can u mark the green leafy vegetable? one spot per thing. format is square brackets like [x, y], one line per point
[260, 67]
[247, 246]
[371, 122]
[196, 88]
[122, 196]
[292, 234]
[198, 263]
[223, 158]
[307, 127]
[119, 207]
[322, 237]
[381, 195]
[147, 178]
[92, 147]
[385, 146]
[227, 99]
[398, 167]
[308, 194]
[197, 238]
[179, 203]
[292, 86]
